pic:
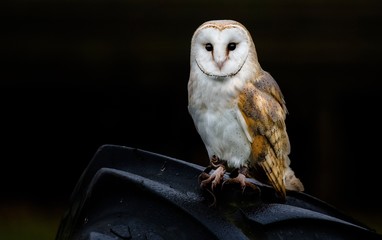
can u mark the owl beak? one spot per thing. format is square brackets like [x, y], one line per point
[220, 62]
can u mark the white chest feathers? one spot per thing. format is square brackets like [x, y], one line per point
[219, 121]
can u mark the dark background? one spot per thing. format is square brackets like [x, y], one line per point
[79, 74]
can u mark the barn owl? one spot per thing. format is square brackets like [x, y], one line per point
[238, 110]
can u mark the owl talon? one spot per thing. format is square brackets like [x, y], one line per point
[214, 179]
[241, 179]
[203, 176]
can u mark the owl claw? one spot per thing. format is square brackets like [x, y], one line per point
[214, 179]
[241, 179]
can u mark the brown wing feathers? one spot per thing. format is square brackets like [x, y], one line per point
[267, 164]
[264, 111]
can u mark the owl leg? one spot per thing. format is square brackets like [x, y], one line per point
[239, 176]
[216, 177]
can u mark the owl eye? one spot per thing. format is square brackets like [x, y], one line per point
[231, 46]
[209, 47]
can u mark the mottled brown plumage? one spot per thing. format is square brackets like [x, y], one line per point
[263, 108]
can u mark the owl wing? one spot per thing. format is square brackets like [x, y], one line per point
[262, 106]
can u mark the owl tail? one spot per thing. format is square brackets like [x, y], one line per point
[292, 182]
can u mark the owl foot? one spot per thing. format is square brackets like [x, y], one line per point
[241, 179]
[214, 179]
[209, 181]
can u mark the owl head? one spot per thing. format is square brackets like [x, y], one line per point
[220, 48]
